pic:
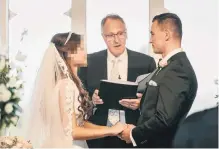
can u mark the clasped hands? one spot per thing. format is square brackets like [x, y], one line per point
[128, 103]
[123, 131]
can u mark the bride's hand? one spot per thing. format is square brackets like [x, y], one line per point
[117, 128]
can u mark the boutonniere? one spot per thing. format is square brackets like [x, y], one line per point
[161, 64]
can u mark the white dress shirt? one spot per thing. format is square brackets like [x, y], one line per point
[166, 58]
[122, 64]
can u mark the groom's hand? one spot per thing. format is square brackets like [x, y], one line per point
[132, 103]
[125, 135]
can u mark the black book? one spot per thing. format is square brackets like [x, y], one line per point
[113, 91]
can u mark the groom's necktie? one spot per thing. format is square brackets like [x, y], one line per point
[158, 63]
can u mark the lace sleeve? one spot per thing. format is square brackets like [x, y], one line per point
[66, 106]
[71, 116]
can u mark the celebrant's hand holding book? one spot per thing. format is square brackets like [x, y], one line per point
[132, 103]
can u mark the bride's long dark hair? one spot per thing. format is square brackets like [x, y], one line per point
[59, 40]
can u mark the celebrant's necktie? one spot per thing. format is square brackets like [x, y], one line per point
[115, 116]
[114, 74]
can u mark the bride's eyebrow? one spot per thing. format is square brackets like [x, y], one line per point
[70, 55]
[72, 51]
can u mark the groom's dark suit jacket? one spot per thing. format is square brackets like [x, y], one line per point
[96, 70]
[166, 104]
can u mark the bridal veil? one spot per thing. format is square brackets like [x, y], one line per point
[43, 124]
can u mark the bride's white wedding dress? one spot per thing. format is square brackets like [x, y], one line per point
[71, 104]
[60, 122]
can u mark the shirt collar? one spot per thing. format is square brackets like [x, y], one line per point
[111, 57]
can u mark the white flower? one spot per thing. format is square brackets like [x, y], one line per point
[19, 69]
[2, 63]
[9, 108]
[19, 83]
[17, 93]
[5, 94]
[9, 141]
[12, 73]
[14, 119]
[12, 82]
[12, 64]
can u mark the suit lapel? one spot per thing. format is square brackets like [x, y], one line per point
[103, 66]
[145, 82]
[131, 63]
[148, 78]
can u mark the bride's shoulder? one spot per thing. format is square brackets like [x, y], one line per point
[65, 82]
[66, 85]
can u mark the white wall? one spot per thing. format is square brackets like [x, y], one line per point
[134, 12]
[200, 42]
[78, 16]
[3, 26]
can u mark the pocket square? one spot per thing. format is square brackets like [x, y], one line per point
[152, 83]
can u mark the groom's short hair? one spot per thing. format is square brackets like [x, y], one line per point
[172, 21]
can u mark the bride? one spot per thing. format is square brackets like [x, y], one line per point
[60, 107]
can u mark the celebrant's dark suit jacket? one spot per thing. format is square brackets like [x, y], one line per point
[96, 70]
[165, 103]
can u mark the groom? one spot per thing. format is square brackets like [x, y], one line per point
[169, 93]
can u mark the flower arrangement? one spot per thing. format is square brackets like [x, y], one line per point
[10, 91]
[14, 142]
